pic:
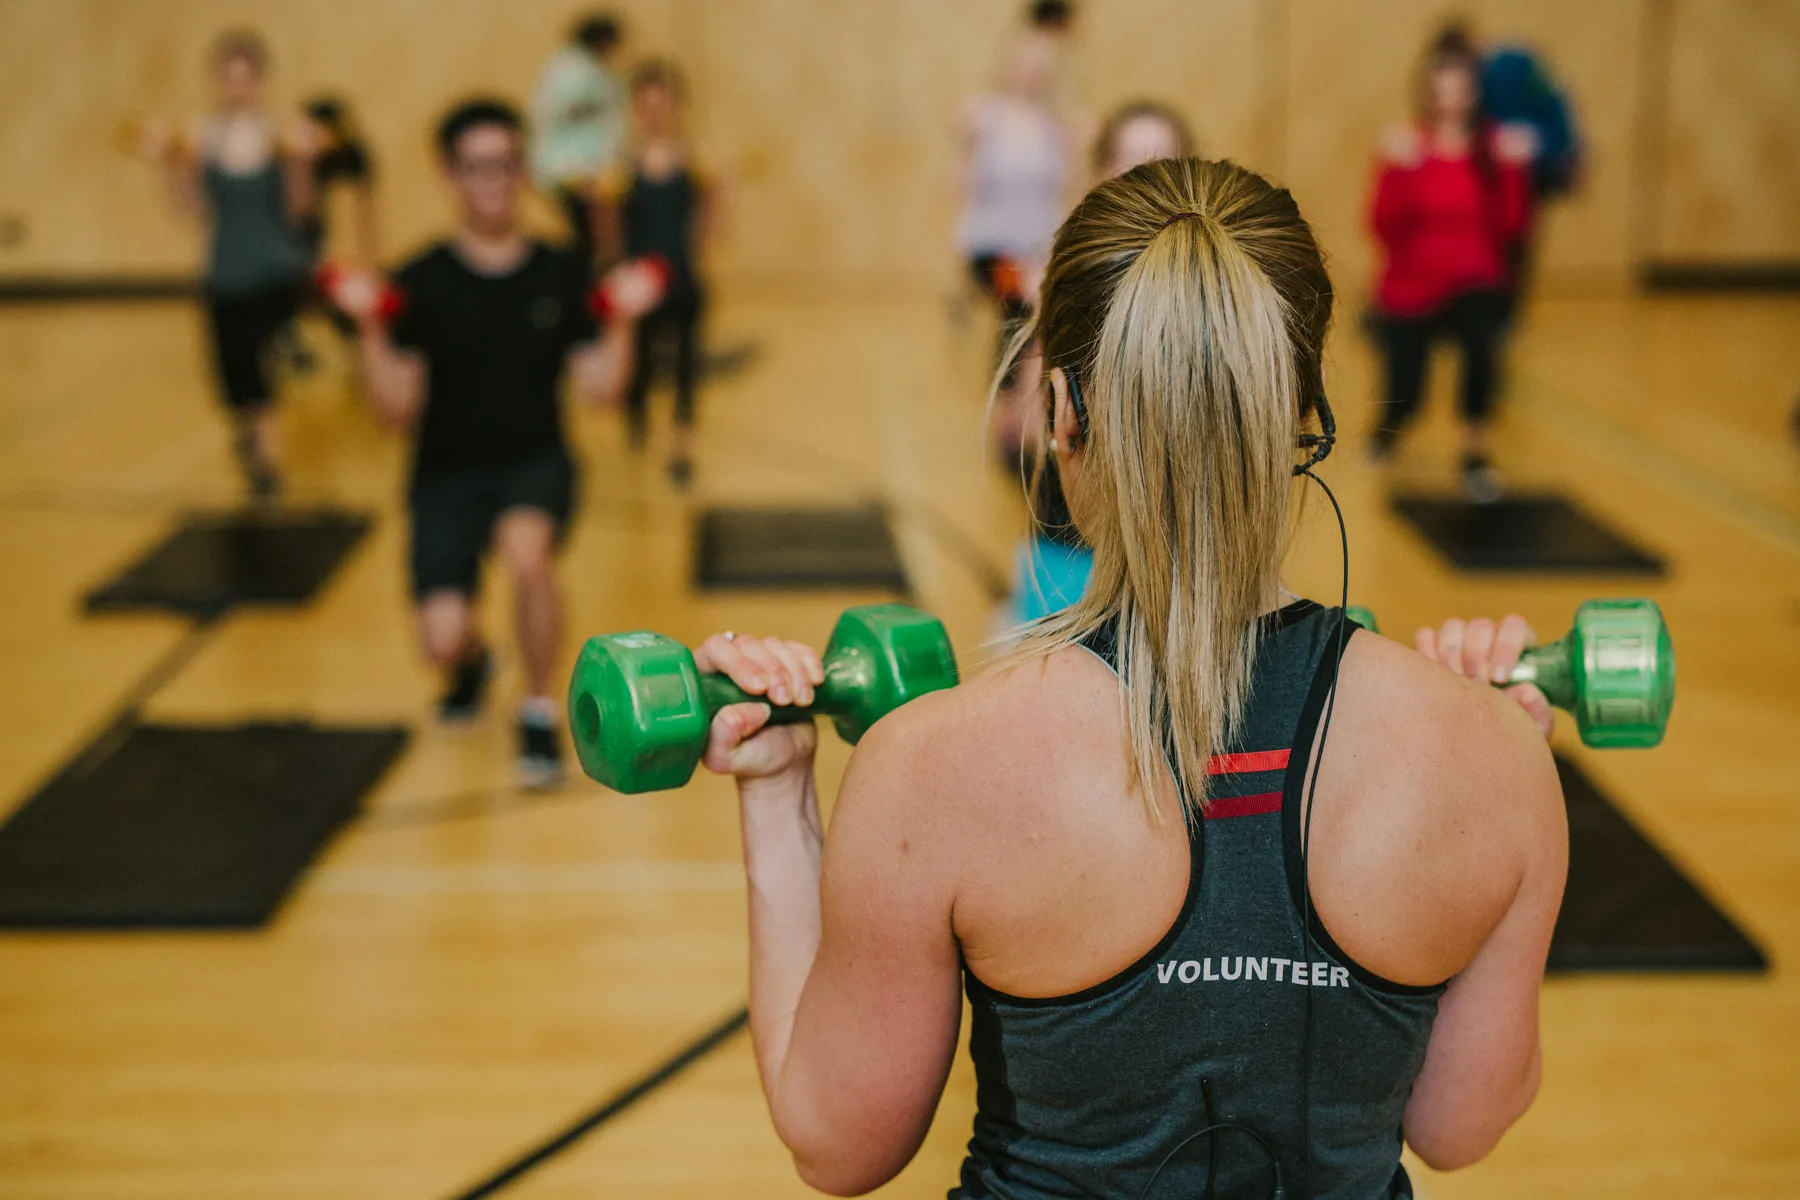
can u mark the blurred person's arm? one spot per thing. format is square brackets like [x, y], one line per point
[1515, 148]
[1394, 211]
[607, 213]
[368, 227]
[964, 134]
[298, 147]
[708, 213]
[605, 344]
[178, 163]
[394, 372]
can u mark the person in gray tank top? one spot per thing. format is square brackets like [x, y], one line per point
[1243, 899]
[254, 190]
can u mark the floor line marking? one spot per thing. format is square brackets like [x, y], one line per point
[672, 1066]
[1644, 455]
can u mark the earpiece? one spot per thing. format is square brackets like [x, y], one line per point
[1318, 444]
[1076, 400]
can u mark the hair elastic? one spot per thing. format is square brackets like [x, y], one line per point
[1182, 216]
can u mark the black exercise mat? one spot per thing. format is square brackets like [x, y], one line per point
[173, 825]
[1522, 533]
[1628, 908]
[797, 548]
[214, 562]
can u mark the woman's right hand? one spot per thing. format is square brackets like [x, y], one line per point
[742, 743]
[1487, 653]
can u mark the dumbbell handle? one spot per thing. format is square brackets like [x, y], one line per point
[848, 673]
[1550, 667]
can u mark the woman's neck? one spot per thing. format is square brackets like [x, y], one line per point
[1451, 137]
[660, 155]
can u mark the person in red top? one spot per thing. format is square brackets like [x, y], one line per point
[1452, 196]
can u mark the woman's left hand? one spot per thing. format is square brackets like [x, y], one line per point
[783, 672]
[1487, 653]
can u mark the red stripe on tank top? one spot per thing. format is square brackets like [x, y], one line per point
[1242, 806]
[1255, 760]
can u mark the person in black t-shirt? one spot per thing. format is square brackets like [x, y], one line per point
[469, 347]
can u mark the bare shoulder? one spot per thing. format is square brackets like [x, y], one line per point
[1425, 709]
[1436, 799]
[968, 759]
[988, 727]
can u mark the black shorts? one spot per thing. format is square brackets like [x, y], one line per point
[454, 510]
[243, 327]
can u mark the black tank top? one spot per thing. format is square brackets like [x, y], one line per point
[1083, 1095]
[659, 219]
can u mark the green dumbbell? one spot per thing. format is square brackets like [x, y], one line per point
[1614, 671]
[640, 710]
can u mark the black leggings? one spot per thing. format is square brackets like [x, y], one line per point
[677, 320]
[242, 329]
[1475, 320]
[579, 211]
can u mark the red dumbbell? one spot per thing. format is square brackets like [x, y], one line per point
[358, 292]
[632, 288]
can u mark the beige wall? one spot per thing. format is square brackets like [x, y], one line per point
[1727, 177]
[831, 117]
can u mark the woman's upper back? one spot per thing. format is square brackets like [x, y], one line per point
[1119, 971]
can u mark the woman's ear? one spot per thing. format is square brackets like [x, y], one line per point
[1064, 427]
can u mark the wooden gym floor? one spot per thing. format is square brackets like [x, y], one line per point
[468, 969]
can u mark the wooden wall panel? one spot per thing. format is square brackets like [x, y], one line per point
[70, 70]
[1728, 178]
[832, 118]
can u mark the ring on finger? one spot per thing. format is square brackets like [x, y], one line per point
[729, 636]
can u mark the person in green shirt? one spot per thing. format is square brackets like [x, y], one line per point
[578, 122]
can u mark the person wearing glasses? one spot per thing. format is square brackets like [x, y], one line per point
[468, 349]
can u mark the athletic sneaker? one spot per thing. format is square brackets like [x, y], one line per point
[540, 754]
[468, 685]
[1480, 481]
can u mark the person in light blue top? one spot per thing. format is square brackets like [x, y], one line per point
[1052, 575]
[578, 122]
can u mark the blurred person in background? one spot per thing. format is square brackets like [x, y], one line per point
[1018, 175]
[1016, 150]
[1517, 89]
[578, 122]
[1140, 132]
[658, 204]
[343, 167]
[468, 350]
[1452, 199]
[251, 183]
[1052, 566]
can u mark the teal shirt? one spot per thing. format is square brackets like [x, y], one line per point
[577, 117]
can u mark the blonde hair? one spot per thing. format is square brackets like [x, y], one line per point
[1191, 301]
